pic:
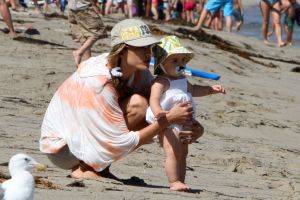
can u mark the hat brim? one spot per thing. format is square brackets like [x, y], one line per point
[142, 42]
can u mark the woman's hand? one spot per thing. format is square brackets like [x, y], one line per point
[180, 113]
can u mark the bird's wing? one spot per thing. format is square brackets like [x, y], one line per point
[1, 191]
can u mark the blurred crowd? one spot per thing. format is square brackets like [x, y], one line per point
[213, 14]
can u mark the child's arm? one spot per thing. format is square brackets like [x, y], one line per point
[200, 91]
[159, 86]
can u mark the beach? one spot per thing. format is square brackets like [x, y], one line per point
[250, 148]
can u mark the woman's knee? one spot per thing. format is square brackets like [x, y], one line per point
[138, 104]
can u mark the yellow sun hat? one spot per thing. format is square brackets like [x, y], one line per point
[169, 45]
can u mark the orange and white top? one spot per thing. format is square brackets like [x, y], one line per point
[84, 114]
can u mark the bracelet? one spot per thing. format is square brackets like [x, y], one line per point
[163, 122]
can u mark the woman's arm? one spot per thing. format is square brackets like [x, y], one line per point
[180, 113]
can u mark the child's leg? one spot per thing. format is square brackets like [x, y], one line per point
[84, 52]
[182, 162]
[172, 148]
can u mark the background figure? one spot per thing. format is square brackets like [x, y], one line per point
[267, 7]
[289, 20]
[108, 6]
[238, 14]
[189, 7]
[86, 26]
[154, 9]
[7, 18]
[212, 6]
[14, 4]
[148, 8]
[128, 9]
[167, 9]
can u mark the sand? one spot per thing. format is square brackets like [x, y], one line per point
[250, 149]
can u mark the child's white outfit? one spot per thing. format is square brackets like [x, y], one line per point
[177, 93]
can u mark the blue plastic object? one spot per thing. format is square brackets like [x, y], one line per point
[202, 74]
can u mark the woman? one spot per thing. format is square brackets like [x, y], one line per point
[97, 116]
[273, 6]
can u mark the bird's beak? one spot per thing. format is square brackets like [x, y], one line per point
[40, 167]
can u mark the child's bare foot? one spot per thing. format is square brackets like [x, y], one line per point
[179, 186]
[77, 57]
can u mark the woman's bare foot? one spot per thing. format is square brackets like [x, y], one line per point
[84, 171]
[77, 57]
[179, 186]
[282, 44]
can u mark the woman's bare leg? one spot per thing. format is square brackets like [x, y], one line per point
[265, 12]
[7, 18]
[134, 109]
[276, 21]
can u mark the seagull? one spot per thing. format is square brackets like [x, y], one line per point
[21, 185]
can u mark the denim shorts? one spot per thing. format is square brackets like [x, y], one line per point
[214, 5]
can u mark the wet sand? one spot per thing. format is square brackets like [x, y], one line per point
[250, 149]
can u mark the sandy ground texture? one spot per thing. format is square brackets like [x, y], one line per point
[250, 149]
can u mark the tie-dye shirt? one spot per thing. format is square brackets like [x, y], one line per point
[84, 114]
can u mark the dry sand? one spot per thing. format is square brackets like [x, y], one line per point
[250, 149]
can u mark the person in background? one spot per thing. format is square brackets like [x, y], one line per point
[238, 14]
[268, 7]
[7, 18]
[189, 7]
[167, 9]
[212, 6]
[289, 19]
[154, 9]
[86, 26]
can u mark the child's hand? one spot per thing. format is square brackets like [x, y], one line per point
[217, 89]
[161, 113]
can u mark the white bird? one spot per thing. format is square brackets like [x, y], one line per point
[21, 185]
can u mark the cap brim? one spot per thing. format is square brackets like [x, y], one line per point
[141, 42]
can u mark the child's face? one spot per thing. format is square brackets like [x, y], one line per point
[171, 62]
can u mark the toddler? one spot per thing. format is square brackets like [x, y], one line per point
[169, 88]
